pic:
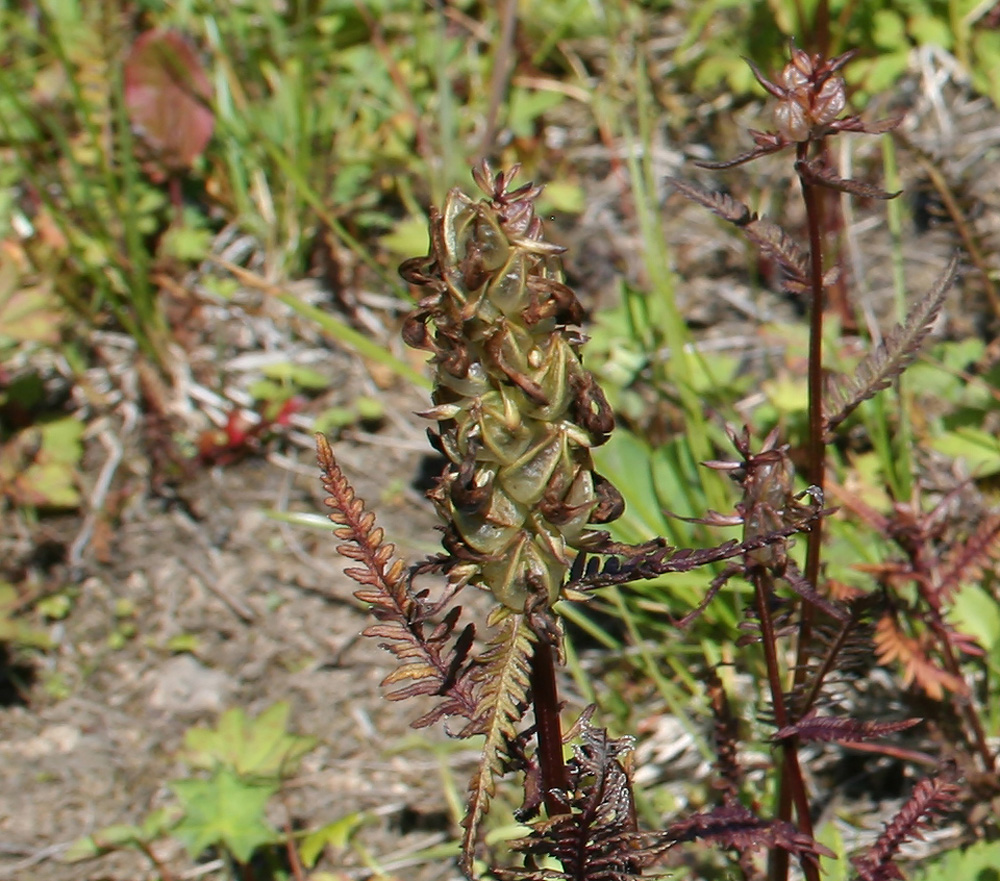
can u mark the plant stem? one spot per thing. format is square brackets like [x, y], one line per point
[792, 787]
[503, 64]
[548, 727]
[815, 447]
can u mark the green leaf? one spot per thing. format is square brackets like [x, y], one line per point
[336, 834]
[296, 374]
[13, 630]
[38, 466]
[333, 419]
[82, 849]
[503, 684]
[159, 822]
[121, 835]
[186, 243]
[27, 313]
[184, 642]
[267, 390]
[408, 237]
[626, 461]
[526, 106]
[788, 394]
[931, 30]
[939, 380]
[723, 69]
[369, 409]
[55, 607]
[979, 449]
[975, 612]
[889, 29]
[562, 196]
[977, 863]
[117, 835]
[224, 811]
[109, 838]
[259, 747]
[880, 73]
[62, 441]
[986, 70]
[833, 869]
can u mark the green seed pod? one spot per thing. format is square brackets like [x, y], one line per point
[516, 411]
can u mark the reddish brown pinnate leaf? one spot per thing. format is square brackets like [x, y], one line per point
[166, 96]
[828, 728]
[891, 644]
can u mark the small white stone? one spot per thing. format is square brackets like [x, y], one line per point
[184, 687]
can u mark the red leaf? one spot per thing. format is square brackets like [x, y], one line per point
[166, 96]
[827, 728]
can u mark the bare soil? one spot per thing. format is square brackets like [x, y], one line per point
[270, 617]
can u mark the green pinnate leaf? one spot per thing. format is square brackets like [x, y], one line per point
[504, 682]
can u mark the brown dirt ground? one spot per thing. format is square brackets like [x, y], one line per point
[273, 620]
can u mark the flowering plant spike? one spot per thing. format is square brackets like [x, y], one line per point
[517, 412]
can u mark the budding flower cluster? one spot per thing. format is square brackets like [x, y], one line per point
[769, 502]
[810, 95]
[517, 413]
[812, 98]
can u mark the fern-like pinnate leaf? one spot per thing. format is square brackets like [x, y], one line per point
[736, 826]
[774, 242]
[830, 728]
[653, 559]
[888, 360]
[723, 205]
[914, 655]
[965, 563]
[821, 174]
[840, 647]
[770, 238]
[794, 579]
[725, 733]
[930, 796]
[597, 839]
[503, 680]
[430, 664]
